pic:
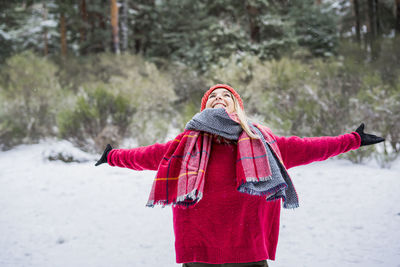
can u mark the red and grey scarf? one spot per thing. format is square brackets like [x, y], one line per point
[182, 171]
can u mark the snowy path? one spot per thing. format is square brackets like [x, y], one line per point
[62, 215]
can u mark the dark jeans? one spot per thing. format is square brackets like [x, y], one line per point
[247, 264]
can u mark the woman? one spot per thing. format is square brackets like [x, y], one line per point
[226, 177]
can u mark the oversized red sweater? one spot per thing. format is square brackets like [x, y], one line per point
[227, 226]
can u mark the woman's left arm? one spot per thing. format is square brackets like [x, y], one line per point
[297, 151]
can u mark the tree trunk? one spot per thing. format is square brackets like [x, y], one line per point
[84, 16]
[358, 24]
[372, 18]
[397, 26]
[63, 34]
[45, 39]
[114, 24]
[252, 13]
[377, 18]
[124, 25]
[372, 32]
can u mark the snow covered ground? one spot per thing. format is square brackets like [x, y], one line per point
[54, 214]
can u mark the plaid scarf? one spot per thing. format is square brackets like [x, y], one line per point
[181, 174]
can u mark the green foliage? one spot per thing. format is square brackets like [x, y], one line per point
[95, 109]
[22, 27]
[319, 98]
[131, 97]
[11, 133]
[387, 65]
[278, 91]
[196, 33]
[105, 98]
[151, 92]
[189, 88]
[323, 97]
[186, 33]
[30, 91]
[315, 27]
[77, 71]
[361, 155]
[378, 99]
[215, 30]
[237, 70]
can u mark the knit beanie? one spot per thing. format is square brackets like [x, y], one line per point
[224, 86]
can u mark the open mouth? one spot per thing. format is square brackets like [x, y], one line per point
[219, 105]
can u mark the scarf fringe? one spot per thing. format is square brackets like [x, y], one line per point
[271, 193]
[192, 196]
[290, 206]
[187, 200]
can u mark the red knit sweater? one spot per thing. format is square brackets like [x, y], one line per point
[227, 226]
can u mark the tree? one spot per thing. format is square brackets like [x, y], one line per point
[372, 20]
[8, 20]
[357, 20]
[23, 26]
[252, 13]
[124, 25]
[114, 25]
[45, 38]
[84, 19]
[63, 35]
[196, 33]
[373, 28]
[315, 27]
[397, 25]
[216, 29]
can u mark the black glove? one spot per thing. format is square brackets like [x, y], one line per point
[368, 139]
[103, 158]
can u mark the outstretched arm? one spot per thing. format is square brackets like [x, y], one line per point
[140, 158]
[297, 151]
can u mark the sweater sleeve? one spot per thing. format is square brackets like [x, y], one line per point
[140, 158]
[297, 151]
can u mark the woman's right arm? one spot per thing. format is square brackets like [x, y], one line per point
[140, 158]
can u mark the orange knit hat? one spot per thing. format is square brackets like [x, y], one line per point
[225, 86]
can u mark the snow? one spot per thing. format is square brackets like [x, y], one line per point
[74, 214]
[4, 34]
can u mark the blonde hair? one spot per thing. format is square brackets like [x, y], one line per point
[243, 118]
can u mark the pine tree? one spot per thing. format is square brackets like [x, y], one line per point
[114, 25]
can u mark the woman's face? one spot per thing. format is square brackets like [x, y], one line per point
[221, 98]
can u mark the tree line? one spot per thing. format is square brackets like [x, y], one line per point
[198, 32]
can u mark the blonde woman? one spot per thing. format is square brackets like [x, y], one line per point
[226, 179]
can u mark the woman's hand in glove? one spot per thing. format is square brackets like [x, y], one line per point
[368, 139]
[103, 158]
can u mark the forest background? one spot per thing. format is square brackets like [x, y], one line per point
[106, 71]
